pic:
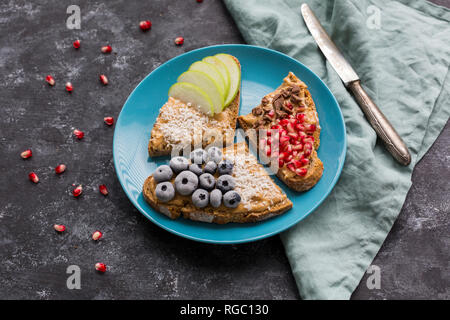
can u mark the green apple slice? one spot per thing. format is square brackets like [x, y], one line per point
[189, 93]
[213, 72]
[235, 76]
[207, 84]
[222, 69]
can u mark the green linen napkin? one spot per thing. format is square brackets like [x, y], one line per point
[401, 51]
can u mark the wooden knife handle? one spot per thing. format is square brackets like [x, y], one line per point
[381, 125]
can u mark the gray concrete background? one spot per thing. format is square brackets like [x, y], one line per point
[145, 261]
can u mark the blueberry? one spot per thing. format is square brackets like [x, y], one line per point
[214, 154]
[200, 198]
[196, 168]
[163, 173]
[225, 183]
[231, 199]
[210, 167]
[198, 156]
[179, 164]
[225, 167]
[186, 182]
[215, 198]
[207, 181]
[164, 191]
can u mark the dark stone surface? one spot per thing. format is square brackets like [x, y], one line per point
[146, 261]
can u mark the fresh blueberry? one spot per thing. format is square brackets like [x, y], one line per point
[231, 199]
[200, 198]
[214, 154]
[225, 183]
[163, 173]
[198, 156]
[179, 164]
[196, 168]
[215, 198]
[207, 181]
[225, 167]
[210, 167]
[164, 191]
[186, 182]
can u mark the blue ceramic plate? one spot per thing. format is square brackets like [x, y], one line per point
[262, 71]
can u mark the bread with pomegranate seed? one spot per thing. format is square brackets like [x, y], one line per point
[290, 103]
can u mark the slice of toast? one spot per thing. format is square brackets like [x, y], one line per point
[179, 124]
[291, 101]
[261, 197]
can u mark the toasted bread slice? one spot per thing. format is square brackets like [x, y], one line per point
[271, 111]
[261, 197]
[179, 124]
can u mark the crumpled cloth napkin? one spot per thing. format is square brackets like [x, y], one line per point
[401, 51]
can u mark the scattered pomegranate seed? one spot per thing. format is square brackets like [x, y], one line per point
[97, 235]
[145, 25]
[60, 168]
[109, 120]
[69, 87]
[101, 267]
[59, 227]
[76, 44]
[106, 49]
[301, 171]
[26, 154]
[33, 177]
[78, 133]
[50, 80]
[103, 190]
[77, 191]
[103, 79]
[179, 41]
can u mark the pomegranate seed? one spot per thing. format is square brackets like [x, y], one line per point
[293, 135]
[77, 191]
[282, 155]
[60, 168]
[76, 44]
[311, 128]
[78, 133]
[280, 163]
[297, 163]
[106, 49]
[145, 25]
[291, 167]
[308, 145]
[26, 154]
[300, 127]
[103, 79]
[269, 142]
[59, 227]
[294, 153]
[289, 105]
[199, 1]
[50, 80]
[103, 189]
[101, 267]
[269, 133]
[69, 87]
[109, 120]
[271, 113]
[290, 128]
[284, 122]
[289, 158]
[284, 139]
[179, 41]
[288, 149]
[33, 177]
[301, 171]
[304, 161]
[268, 151]
[275, 127]
[97, 235]
[298, 147]
[300, 117]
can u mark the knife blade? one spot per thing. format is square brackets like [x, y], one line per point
[385, 131]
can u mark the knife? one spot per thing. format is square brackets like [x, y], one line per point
[385, 131]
